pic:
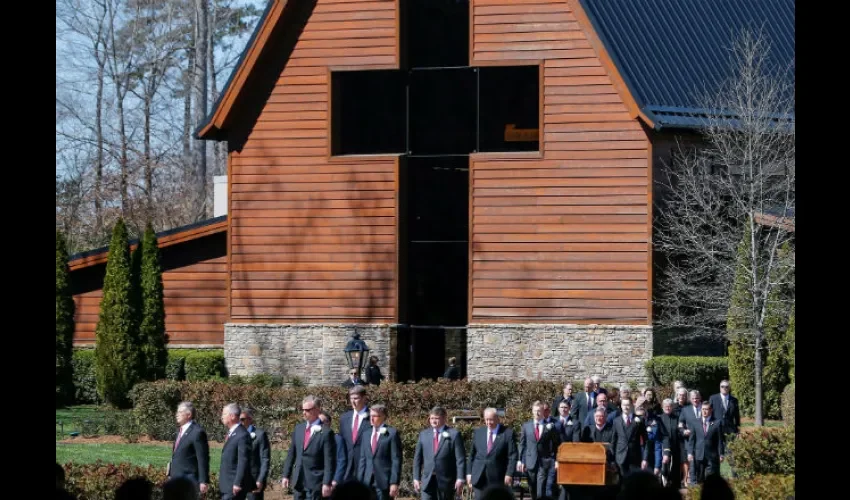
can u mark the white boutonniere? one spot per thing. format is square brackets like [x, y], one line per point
[637, 420]
[549, 426]
[253, 435]
[445, 434]
[569, 422]
[648, 429]
[315, 429]
[382, 430]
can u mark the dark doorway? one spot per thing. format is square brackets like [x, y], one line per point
[435, 33]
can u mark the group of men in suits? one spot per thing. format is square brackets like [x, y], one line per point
[245, 455]
[369, 450]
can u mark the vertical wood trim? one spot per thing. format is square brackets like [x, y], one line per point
[649, 257]
[329, 125]
[469, 244]
[397, 280]
[541, 90]
[471, 31]
[229, 233]
[398, 34]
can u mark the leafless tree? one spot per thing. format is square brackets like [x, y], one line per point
[714, 195]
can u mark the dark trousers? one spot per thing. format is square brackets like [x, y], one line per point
[627, 468]
[705, 468]
[228, 495]
[540, 479]
[256, 496]
[432, 492]
[307, 494]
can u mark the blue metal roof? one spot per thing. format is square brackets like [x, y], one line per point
[671, 53]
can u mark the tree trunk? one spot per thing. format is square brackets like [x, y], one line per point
[200, 91]
[98, 169]
[759, 368]
[148, 161]
[189, 75]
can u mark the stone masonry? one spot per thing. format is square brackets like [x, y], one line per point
[558, 352]
[311, 352]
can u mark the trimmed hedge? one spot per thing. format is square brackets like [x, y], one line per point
[788, 405]
[702, 373]
[98, 481]
[767, 487]
[85, 380]
[765, 450]
[205, 365]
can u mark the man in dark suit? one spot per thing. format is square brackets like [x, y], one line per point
[630, 454]
[493, 456]
[309, 465]
[353, 379]
[353, 425]
[672, 445]
[689, 419]
[706, 444]
[597, 385]
[234, 474]
[190, 456]
[566, 396]
[600, 432]
[584, 402]
[610, 412]
[538, 444]
[261, 454]
[726, 409]
[439, 462]
[341, 453]
[380, 460]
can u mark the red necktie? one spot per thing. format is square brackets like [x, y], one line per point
[628, 420]
[536, 431]
[705, 426]
[374, 441]
[436, 441]
[178, 438]
[226, 437]
[354, 435]
[306, 435]
[490, 442]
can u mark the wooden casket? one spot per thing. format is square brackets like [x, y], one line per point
[583, 464]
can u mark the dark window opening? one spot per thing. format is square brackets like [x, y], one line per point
[442, 111]
[436, 33]
[368, 112]
[435, 212]
[509, 109]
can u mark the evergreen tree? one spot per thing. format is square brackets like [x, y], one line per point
[64, 324]
[776, 365]
[152, 327]
[116, 345]
[739, 323]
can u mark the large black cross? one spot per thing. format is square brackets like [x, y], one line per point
[436, 104]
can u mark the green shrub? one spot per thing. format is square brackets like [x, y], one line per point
[152, 336]
[702, 373]
[64, 325]
[175, 368]
[205, 365]
[85, 382]
[764, 450]
[768, 487]
[116, 334]
[788, 405]
[98, 481]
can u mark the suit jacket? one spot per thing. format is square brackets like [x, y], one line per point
[349, 384]
[309, 469]
[730, 416]
[374, 375]
[385, 463]
[569, 432]
[687, 418]
[629, 449]
[671, 437]
[191, 457]
[261, 453]
[708, 446]
[557, 402]
[341, 459]
[579, 409]
[491, 468]
[532, 450]
[235, 469]
[606, 435]
[352, 448]
[609, 417]
[446, 466]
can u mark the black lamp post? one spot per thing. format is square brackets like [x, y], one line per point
[356, 352]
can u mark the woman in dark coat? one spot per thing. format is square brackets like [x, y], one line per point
[373, 372]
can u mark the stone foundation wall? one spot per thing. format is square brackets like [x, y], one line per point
[558, 352]
[311, 352]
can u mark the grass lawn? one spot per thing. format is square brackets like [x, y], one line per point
[72, 419]
[137, 454]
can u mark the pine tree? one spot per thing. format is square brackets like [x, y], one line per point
[789, 338]
[738, 325]
[64, 324]
[776, 365]
[152, 328]
[116, 352]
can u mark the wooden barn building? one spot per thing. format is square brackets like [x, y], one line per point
[194, 279]
[468, 178]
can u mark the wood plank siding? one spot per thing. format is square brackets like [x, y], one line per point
[194, 282]
[313, 238]
[563, 236]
